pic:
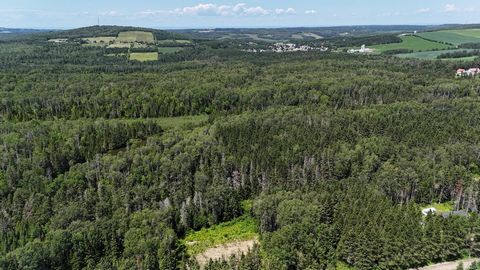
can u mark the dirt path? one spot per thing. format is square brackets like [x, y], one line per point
[225, 251]
[449, 265]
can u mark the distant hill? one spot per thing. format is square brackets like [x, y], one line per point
[96, 31]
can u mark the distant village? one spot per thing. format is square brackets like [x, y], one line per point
[472, 72]
[288, 47]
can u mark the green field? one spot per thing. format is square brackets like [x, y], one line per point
[412, 43]
[169, 49]
[455, 37]
[429, 55]
[135, 36]
[143, 57]
[242, 228]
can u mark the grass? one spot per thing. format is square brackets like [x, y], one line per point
[315, 36]
[242, 228]
[135, 36]
[144, 57]
[169, 49]
[120, 45]
[461, 59]
[413, 43]
[455, 37]
[441, 207]
[428, 55]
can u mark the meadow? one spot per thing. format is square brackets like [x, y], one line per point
[413, 43]
[429, 55]
[144, 56]
[455, 37]
[169, 49]
[136, 36]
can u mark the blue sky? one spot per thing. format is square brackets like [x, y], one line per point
[241, 13]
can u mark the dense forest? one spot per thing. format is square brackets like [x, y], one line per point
[108, 164]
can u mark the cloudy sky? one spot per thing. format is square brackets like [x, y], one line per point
[242, 13]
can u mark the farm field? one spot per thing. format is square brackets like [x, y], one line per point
[429, 55]
[412, 43]
[455, 37]
[135, 36]
[143, 57]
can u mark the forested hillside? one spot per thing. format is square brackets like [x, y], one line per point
[107, 163]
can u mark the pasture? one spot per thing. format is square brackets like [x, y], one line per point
[429, 55]
[144, 56]
[455, 37]
[413, 43]
[135, 36]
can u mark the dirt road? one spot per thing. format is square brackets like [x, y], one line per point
[225, 251]
[449, 265]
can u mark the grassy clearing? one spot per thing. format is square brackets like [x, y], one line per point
[315, 36]
[428, 55]
[242, 228]
[455, 37]
[143, 57]
[461, 59]
[135, 36]
[413, 43]
[169, 49]
[441, 207]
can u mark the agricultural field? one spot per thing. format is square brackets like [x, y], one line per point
[169, 49]
[455, 37]
[136, 36]
[429, 55]
[144, 56]
[413, 43]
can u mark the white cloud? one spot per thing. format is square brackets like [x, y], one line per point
[424, 10]
[288, 11]
[210, 9]
[450, 8]
[312, 11]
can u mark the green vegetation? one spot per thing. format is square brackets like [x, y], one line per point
[413, 43]
[135, 36]
[241, 228]
[324, 157]
[144, 56]
[428, 55]
[169, 49]
[441, 207]
[105, 40]
[455, 37]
